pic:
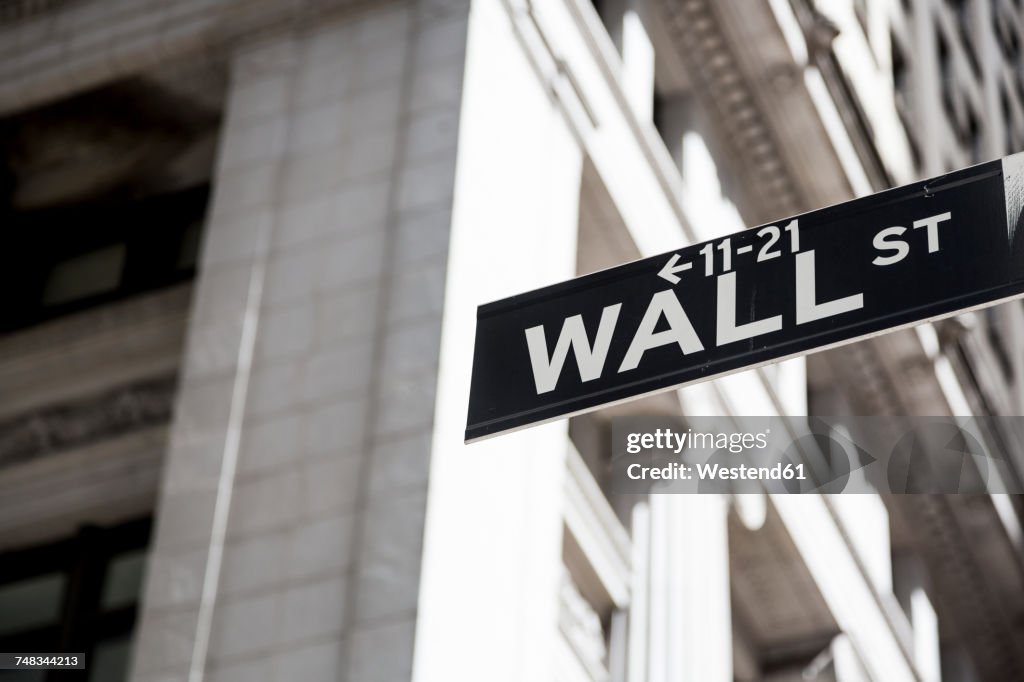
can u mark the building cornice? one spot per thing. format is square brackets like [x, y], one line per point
[54, 48]
[705, 49]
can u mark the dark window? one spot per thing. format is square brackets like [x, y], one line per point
[1019, 83]
[946, 80]
[900, 77]
[1008, 133]
[663, 117]
[671, 116]
[103, 194]
[79, 595]
[1006, 33]
[972, 137]
[915, 150]
[904, 108]
[965, 29]
[995, 340]
[64, 259]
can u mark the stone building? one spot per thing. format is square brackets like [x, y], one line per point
[246, 241]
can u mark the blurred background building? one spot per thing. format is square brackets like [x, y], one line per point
[243, 247]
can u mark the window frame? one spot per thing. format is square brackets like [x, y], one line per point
[84, 560]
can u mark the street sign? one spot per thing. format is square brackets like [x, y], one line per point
[818, 280]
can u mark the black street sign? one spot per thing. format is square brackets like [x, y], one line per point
[818, 280]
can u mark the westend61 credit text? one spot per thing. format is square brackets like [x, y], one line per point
[809, 455]
[678, 442]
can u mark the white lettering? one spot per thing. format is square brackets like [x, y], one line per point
[932, 223]
[882, 243]
[589, 360]
[728, 331]
[807, 307]
[680, 330]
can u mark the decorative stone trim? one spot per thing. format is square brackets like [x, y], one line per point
[112, 413]
[716, 72]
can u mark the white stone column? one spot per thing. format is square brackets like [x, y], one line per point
[492, 557]
[689, 614]
[289, 528]
[638, 58]
[909, 581]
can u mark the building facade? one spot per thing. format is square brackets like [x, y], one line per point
[247, 245]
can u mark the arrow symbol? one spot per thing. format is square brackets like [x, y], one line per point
[669, 271]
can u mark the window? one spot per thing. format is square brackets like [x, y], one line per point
[915, 150]
[1007, 111]
[1006, 33]
[103, 193]
[900, 77]
[964, 23]
[971, 137]
[904, 108]
[78, 595]
[1018, 83]
[60, 260]
[996, 343]
[672, 118]
[947, 82]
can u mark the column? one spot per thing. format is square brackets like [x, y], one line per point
[689, 611]
[493, 541]
[289, 527]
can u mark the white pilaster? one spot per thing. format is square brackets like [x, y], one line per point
[492, 553]
[289, 530]
[689, 627]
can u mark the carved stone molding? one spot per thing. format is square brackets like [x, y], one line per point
[83, 422]
[705, 49]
